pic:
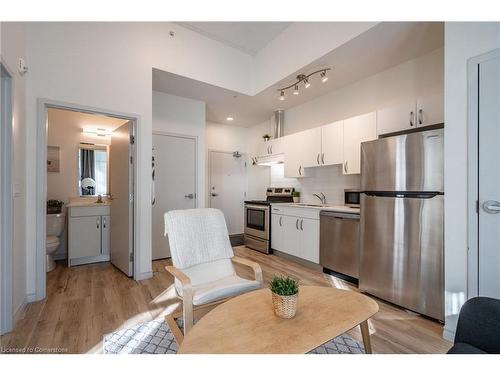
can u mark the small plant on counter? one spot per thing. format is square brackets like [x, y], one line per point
[266, 137]
[54, 206]
[285, 292]
[296, 196]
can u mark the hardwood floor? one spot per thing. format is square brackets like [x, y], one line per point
[84, 303]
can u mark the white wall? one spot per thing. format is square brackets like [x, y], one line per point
[407, 81]
[109, 66]
[13, 47]
[224, 137]
[300, 44]
[174, 114]
[463, 40]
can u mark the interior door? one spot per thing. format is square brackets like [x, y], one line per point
[227, 188]
[121, 179]
[489, 178]
[174, 184]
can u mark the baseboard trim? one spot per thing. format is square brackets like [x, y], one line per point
[144, 276]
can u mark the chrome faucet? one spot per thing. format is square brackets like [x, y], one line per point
[321, 197]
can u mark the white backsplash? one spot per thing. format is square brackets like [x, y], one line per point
[329, 180]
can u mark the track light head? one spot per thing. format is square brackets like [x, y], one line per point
[282, 95]
[306, 83]
[324, 78]
[296, 90]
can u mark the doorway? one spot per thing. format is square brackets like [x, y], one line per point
[117, 189]
[6, 309]
[484, 175]
[174, 188]
[227, 188]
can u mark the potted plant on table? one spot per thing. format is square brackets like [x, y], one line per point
[296, 196]
[285, 292]
[54, 206]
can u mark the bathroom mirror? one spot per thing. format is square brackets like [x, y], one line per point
[93, 167]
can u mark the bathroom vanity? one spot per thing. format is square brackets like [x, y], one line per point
[88, 232]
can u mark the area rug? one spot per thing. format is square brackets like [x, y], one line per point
[155, 337]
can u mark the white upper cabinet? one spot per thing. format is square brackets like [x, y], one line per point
[357, 130]
[310, 143]
[293, 149]
[271, 147]
[424, 111]
[397, 118]
[331, 143]
[430, 110]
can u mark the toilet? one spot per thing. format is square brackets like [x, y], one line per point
[55, 227]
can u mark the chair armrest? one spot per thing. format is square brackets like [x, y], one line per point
[479, 324]
[181, 276]
[257, 271]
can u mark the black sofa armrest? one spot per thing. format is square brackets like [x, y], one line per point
[479, 324]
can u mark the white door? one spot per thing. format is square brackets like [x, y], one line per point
[277, 232]
[357, 130]
[309, 240]
[121, 183]
[291, 233]
[430, 110]
[396, 118]
[489, 178]
[331, 143]
[293, 156]
[174, 185]
[227, 188]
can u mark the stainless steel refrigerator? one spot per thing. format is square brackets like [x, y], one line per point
[401, 227]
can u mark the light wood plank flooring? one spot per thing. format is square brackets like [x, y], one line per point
[84, 303]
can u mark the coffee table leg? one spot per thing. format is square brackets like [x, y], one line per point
[365, 333]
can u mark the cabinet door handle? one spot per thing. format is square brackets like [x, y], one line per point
[271, 148]
[317, 159]
[301, 224]
[322, 158]
[281, 219]
[420, 116]
[297, 224]
[97, 222]
[411, 118]
[300, 170]
[345, 166]
[104, 222]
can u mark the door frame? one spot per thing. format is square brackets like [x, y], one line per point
[472, 170]
[196, 167]
[43, 106]
[6, 203]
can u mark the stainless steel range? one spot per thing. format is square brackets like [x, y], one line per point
[258, 218]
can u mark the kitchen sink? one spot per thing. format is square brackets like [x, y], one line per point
[310, 205]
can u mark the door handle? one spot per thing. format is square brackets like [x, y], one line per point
[301, 224]
[317, 159]
[214, 194]
[190, 196]
[420, 116]
[411, 118]
[281, 219]
[297, 224]
[491, 207]
[97, 222]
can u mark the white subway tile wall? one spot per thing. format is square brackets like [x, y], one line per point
[329, 180]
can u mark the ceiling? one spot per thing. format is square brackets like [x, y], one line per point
[384, 46]
[85, 120]
[249, 37]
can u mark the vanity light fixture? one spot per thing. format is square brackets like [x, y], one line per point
[303, 78]
[100, 132]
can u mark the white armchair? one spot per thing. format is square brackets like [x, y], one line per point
[202, 259]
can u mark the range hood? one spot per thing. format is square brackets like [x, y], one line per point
[278, 123]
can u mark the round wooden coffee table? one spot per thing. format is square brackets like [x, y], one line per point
[247, 324]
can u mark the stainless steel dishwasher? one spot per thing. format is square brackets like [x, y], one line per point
[339, 243]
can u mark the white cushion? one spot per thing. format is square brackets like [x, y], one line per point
[197, 236]
[207, 272]
[227, 287]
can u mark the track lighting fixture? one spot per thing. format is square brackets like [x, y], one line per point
[303, 78]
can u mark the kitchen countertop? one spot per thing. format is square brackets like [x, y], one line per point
[327, 207]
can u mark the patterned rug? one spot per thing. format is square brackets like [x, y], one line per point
[156, 338]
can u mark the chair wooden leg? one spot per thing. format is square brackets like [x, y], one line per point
[365, 333]
[174, 328]
[187, 314]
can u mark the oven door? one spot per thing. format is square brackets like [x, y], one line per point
[257, 221]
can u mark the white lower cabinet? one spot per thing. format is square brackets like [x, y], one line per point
[296, 235]
[88, 234]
